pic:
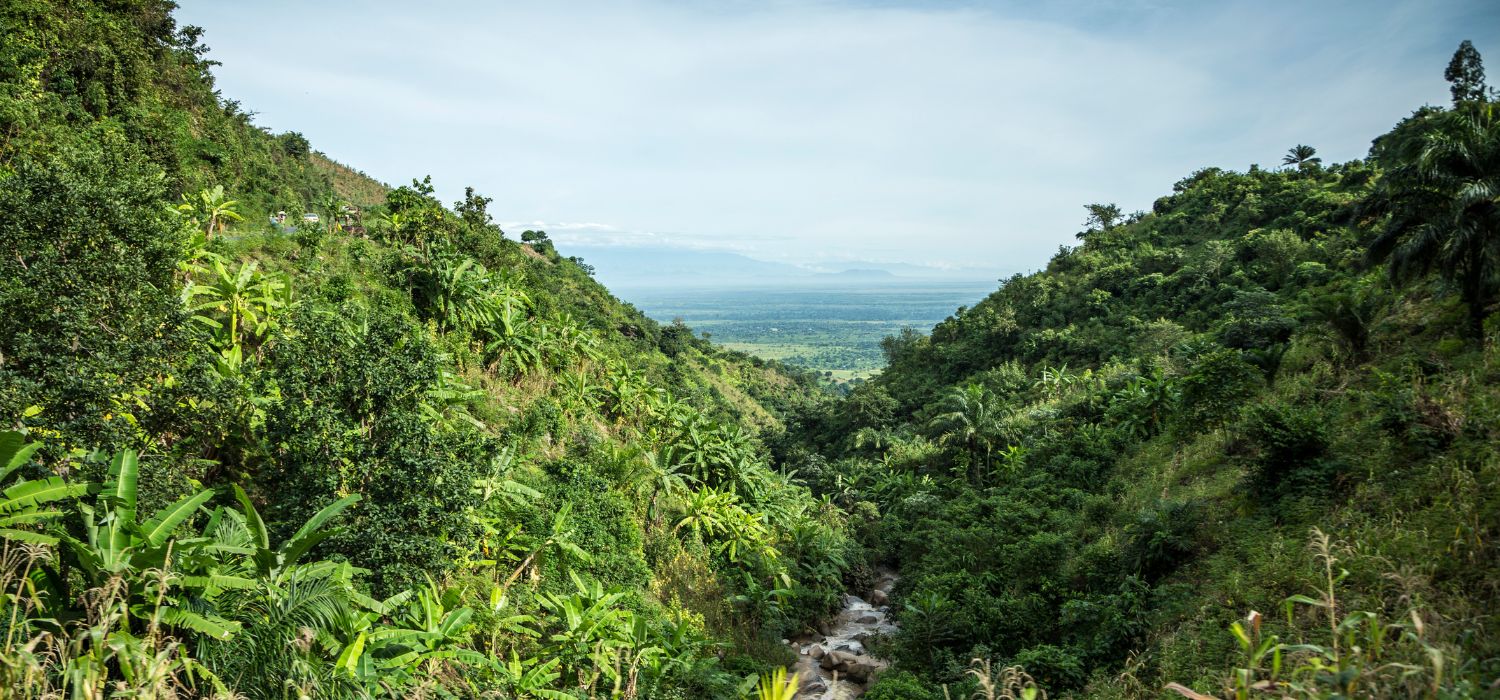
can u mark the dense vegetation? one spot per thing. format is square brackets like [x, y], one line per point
[1243, 443]
[409, 457]
[1254, 429]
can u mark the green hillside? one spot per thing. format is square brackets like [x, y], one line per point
[424, 459]
[1267, 408]
[1242, 445]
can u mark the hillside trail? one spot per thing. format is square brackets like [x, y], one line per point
[835, 665]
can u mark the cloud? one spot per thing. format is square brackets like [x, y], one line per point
[946, 132]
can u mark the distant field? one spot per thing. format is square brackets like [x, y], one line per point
[828, 329]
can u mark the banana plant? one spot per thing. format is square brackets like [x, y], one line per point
[427, 636]
[117, 547]
[580, 394]
[533, 678]
[559, 541]
[210, 210]
[593, 630]
[26, 502]
[239, 307]
[447, 402]
[271, 562]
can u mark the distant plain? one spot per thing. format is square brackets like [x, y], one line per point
[828, 327]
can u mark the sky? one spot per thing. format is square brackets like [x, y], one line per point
[945, 134]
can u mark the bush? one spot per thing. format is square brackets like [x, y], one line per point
[352, 421]
[1216, 388]
[1292, 446]
[1054, 668]
[1161, 538]
[902, 685]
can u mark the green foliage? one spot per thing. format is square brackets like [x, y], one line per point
[1438, 204]
[1168, 406]
[352, 421]
[1215, 389]
[1293, 446]
[88, 255]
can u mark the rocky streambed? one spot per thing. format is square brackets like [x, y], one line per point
[835, 665]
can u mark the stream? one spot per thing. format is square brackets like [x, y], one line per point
[834, 665]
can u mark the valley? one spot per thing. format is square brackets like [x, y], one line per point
[832, 328]
[1240, 442]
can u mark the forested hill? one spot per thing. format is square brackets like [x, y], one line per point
[1245, 442]
[390, 452]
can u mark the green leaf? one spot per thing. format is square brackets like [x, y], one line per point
[348, 660]
[253, 523]
[454, 622]
[33, 516]
[160, 526]
[29, 494]
[27, 536]
[216, 627]
[218, 581]
[14, 451]
[123, 471]
[326, 514]
[293, 550]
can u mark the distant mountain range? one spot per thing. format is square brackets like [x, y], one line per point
[622, 268]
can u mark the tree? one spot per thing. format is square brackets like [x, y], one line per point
[1302, 156]
[1465, 74]
[970, 418]
[1102, 217]
[294, 144]
[474, 209]
[1440, 201]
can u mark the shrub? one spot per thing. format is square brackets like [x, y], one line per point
[1292, 445]
[1216, 388]
[1161, 538]
[352, 421]
[902, 685]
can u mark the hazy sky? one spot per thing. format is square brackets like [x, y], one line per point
[943, 133]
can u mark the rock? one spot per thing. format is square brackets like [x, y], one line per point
[813, 687]
[816, 651]
[836, 659]
[851, 647]
[823, 629]
[867, 620]
[860, 671]
[879, 597]
[786, 642]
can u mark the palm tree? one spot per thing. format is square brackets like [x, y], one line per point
[1440, 198]
[1301, 155]
[969, 418]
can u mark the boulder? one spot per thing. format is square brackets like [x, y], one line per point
[836, 660]
[851, 647]
[812, 688]
[861, 670]
[815, 651]
[879, 597]
[867, 620]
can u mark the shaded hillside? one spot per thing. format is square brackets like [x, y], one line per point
[1198, 412]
